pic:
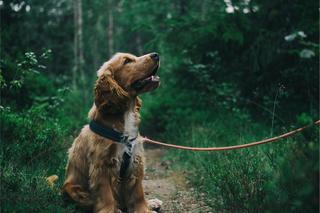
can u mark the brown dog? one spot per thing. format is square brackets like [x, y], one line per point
[95, 162]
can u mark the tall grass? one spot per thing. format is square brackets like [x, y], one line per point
[34, 143]
[37, 128]
[277, 177]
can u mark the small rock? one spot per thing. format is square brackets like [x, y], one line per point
[155, 204]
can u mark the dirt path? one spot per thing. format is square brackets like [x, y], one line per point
[170, 186]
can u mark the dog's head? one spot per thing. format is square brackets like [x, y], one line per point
[125, 76]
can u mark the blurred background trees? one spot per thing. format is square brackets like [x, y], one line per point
[262, 49]
[253, 61]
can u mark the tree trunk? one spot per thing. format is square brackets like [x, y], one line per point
[110, 29]
[80, 34]
[139, 44]
[75, 46]
[204, 8]
[139, 47]
[78, 43]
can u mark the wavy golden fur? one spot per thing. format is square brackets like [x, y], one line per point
[92, 173]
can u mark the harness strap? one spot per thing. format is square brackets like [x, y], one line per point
[126, 158]
[119, 138]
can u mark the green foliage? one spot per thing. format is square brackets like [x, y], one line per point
[34, 136]
[21, 78]
[232, 72]
[26, 190]
[232, 78]
[260, 179]
[295, 185]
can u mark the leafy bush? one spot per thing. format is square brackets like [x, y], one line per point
[232, 72]
[34, 136]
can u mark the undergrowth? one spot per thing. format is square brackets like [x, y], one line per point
[38, 123]
[277, 177]
[37, 127]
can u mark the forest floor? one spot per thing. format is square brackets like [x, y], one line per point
[171, 187]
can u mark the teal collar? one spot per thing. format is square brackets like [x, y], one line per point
[105, 131]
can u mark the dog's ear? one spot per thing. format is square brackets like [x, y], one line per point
[109, 97]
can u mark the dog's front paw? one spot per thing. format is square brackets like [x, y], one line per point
[154, 204]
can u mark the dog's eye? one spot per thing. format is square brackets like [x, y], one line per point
[127, 61]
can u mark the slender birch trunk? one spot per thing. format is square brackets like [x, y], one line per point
[78, 73]
[80, 35]
[110, 29]
[139, 44]
[75, 46]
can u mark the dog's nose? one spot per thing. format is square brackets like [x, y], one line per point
[155, 56]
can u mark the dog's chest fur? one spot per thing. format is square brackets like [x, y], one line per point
[106, 158]
[132, 144]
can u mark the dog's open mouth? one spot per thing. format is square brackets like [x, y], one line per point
[147, 83]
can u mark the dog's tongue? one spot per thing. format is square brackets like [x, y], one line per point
[147, 84]
[152, 83]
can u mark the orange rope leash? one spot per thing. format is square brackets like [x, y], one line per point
[269, 140]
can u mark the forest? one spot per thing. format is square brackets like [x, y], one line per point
[232, 72]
